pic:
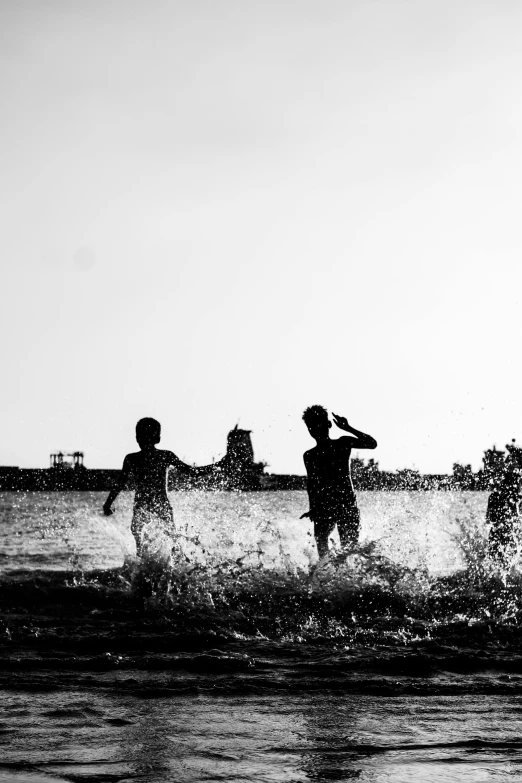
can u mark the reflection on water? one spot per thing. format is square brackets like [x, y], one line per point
[298, 738]
[229, 654]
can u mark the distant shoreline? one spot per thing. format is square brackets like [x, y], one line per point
[14, 479]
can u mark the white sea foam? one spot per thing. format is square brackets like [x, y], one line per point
[414, 529]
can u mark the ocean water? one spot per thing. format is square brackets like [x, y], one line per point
[228, 653]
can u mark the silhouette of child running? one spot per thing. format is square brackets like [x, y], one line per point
[503, 511]
[148, 470]
[330, 490]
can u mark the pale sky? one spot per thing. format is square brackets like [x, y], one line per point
[227, 211]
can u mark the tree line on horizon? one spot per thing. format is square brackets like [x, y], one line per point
[368, 476]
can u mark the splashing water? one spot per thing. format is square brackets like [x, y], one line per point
[231, 603]
[271, 591]
[244, 565]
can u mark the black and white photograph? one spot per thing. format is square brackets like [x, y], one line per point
[260, 391]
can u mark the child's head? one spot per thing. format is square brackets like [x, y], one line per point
[316, 419]
[148, 432]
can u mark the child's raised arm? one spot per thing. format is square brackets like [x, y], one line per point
[363, 441]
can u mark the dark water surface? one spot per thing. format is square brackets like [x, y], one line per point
[107, 735]
[229, 653]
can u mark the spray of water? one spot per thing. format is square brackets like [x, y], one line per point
[247, 566]
[361, 595]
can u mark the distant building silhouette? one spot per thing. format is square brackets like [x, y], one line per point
[58, 462]
[242, 472]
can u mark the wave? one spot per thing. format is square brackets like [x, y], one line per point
[350, 620]
[360, 596]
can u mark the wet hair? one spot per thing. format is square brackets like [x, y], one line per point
[148, 431]
[316, 413]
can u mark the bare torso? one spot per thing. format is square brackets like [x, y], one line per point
[147, 470]
[330, 488]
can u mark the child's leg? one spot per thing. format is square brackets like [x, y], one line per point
[322, 530]
[139, 518]
[349, 527]
[164, 513]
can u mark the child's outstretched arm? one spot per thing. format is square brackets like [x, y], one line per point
[203, 470]
[310, 487]
[119, 485]
[215, 469]
[363, 441]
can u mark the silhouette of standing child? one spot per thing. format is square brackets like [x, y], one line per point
[148, 470]
[330, 490]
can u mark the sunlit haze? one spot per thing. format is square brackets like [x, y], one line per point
[220, 212]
